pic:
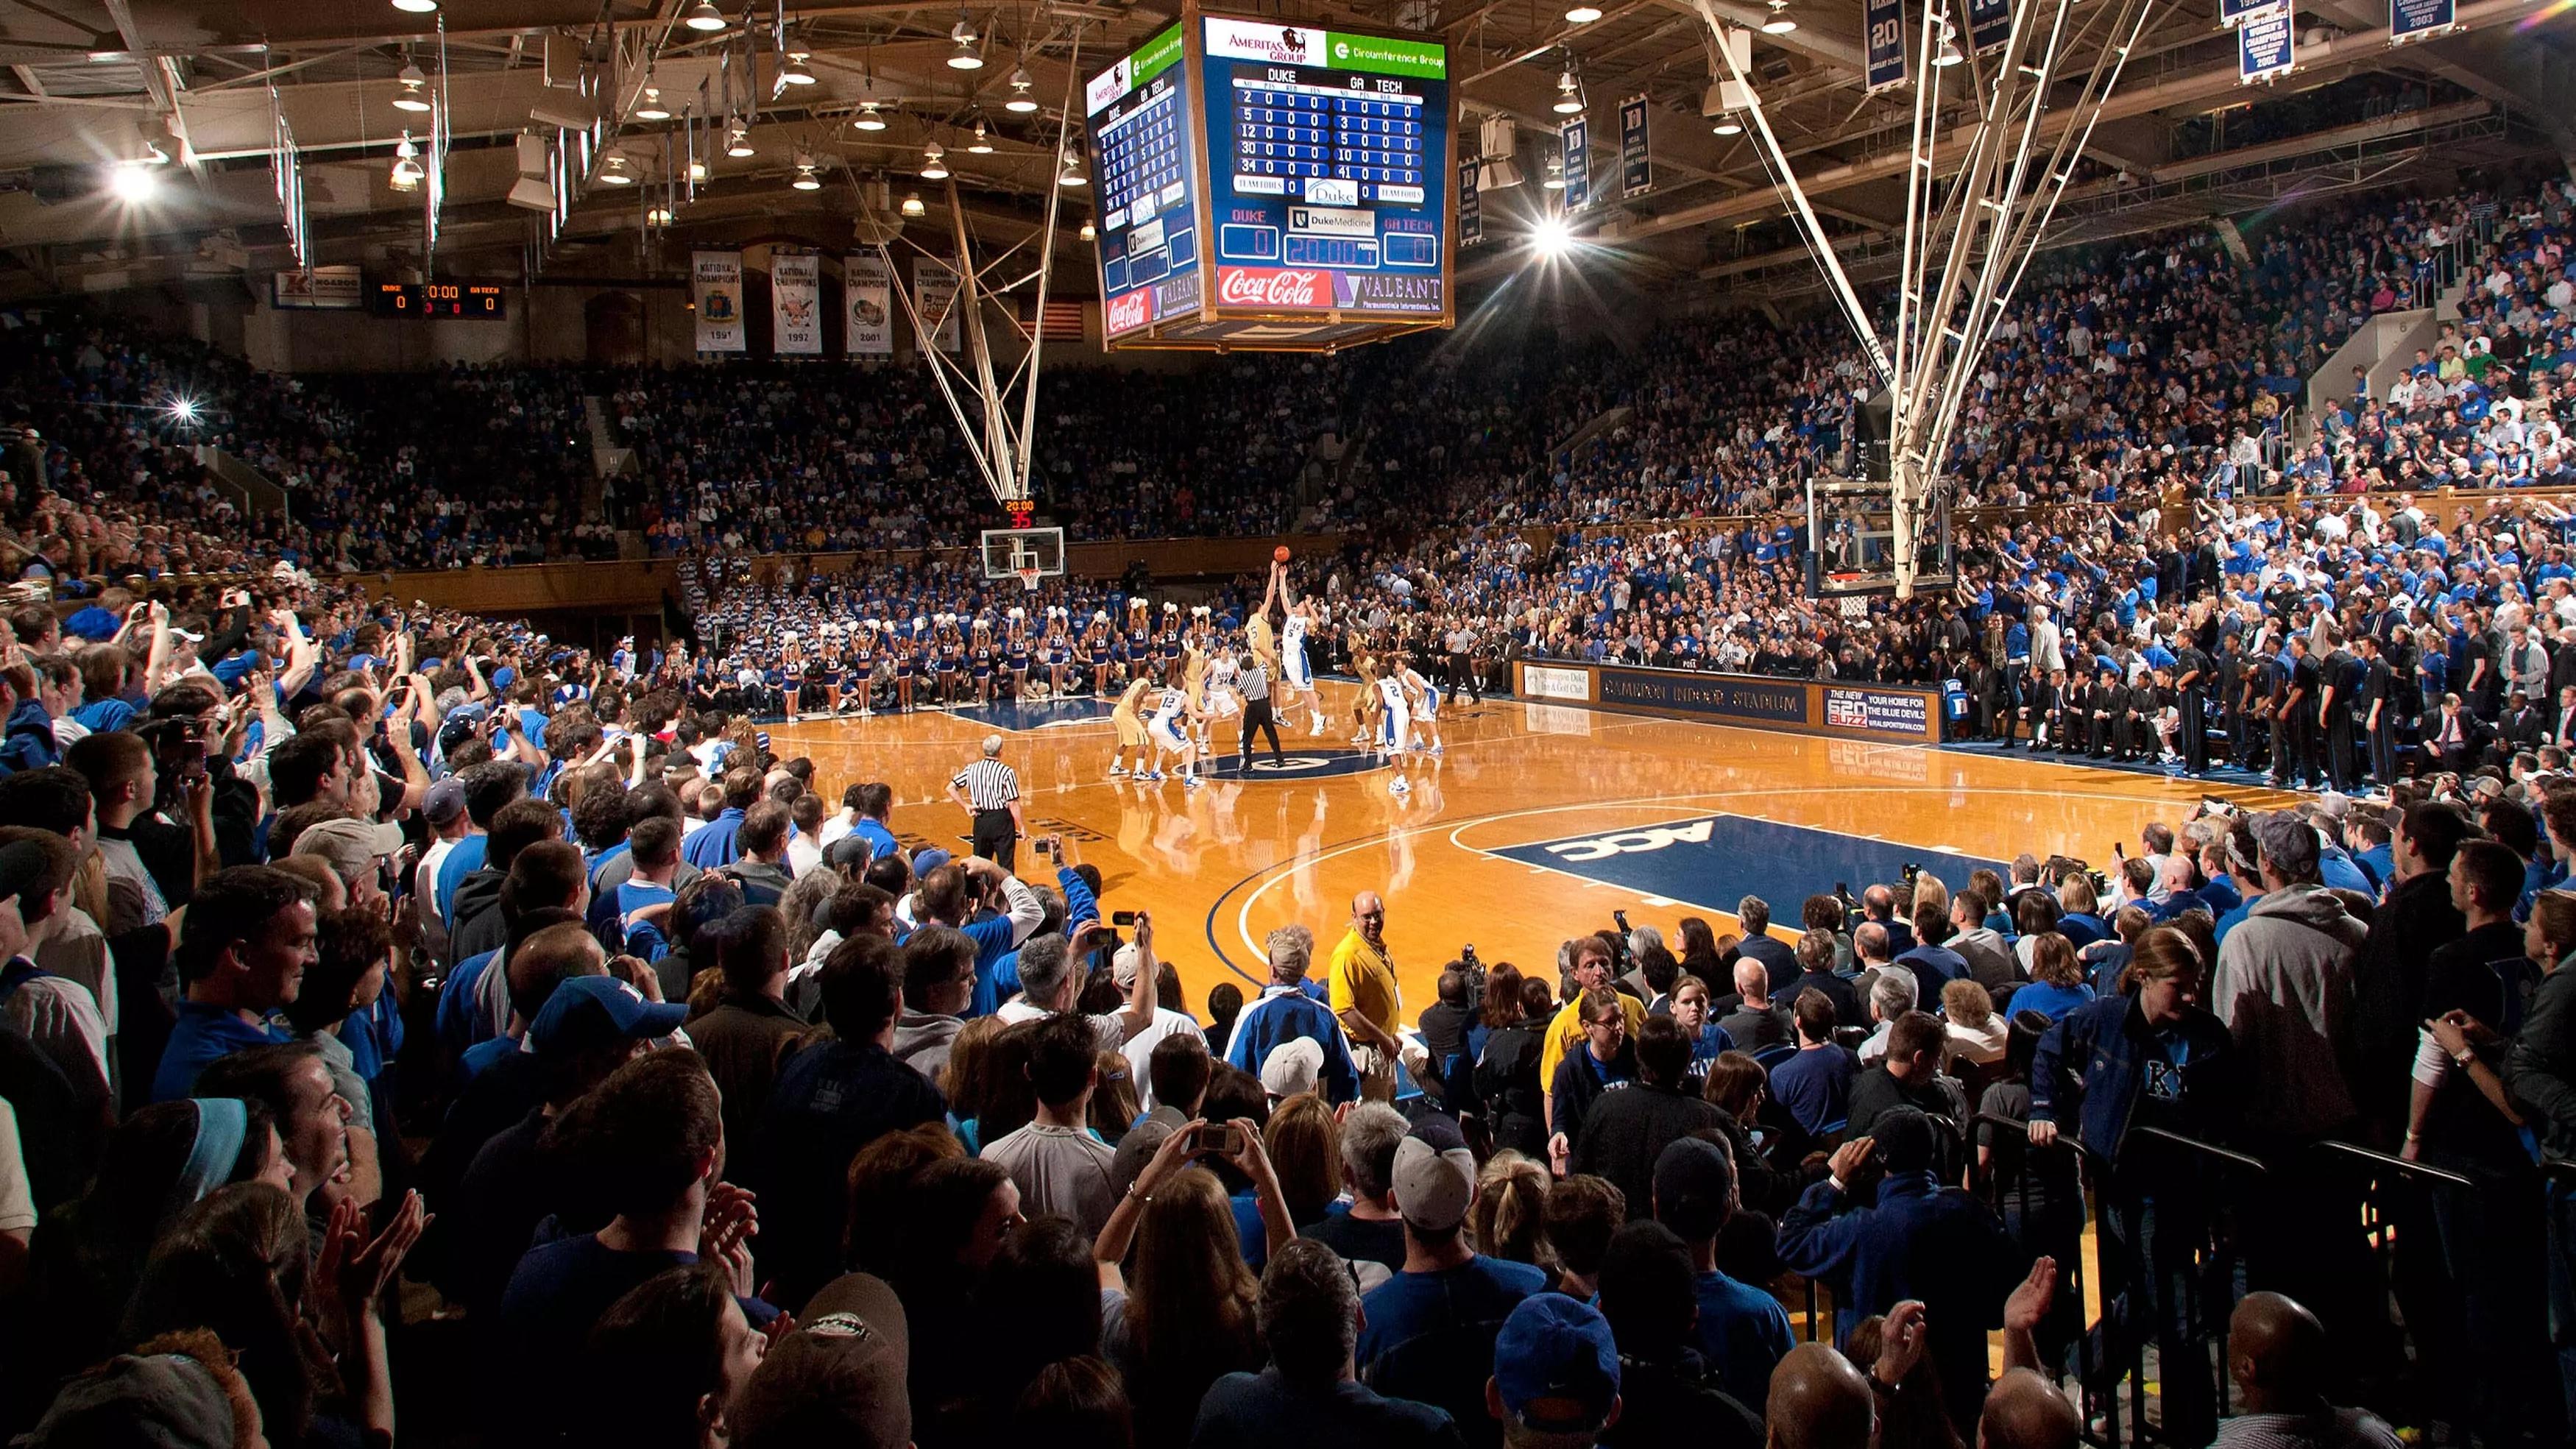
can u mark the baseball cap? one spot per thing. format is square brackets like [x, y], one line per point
[590, 1011]
[445, 803]
[850, 851]
[1123, 965]
[1694, 1188]
[22, 864]
[928, 859]
[838, 1379]
[1556, 1366]
[1292, 1066]
[1435, 1175]
[351, 845]
[2289, 842]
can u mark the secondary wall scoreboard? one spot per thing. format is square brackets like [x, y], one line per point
[1272, 186]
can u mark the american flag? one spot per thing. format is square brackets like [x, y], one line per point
[1062, 322]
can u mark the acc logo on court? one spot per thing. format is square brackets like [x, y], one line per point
[1315, 765]
[1633, 842]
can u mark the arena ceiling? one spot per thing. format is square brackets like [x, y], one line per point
[88, 84]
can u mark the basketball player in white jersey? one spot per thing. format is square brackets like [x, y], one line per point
[1169, 733]
[1296, 677]
[1395, 725]
[1219, 699]
[1426, 707]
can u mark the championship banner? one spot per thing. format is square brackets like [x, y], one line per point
[2231, 12]
[1471, 207]
[934, 299]
[716, 284]
[1636, 166]
[2415, 19]
[867, 307]
[1574, 149]
[2265, 43]
[796, 305]
[1883, 44]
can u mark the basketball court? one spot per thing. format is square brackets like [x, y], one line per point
[1540, 821]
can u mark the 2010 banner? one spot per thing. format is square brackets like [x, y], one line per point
[796, 305]
[716, 290]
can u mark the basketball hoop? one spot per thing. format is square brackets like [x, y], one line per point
[1028, 580]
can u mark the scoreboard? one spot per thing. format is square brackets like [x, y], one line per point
[1273, 186]
[470, 300]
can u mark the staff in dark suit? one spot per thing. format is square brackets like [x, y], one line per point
[2378, 710]
[2190, 678]
[2453, 736]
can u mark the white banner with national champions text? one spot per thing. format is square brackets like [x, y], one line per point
[868, 301]
[796, 305]
[934, 294]
[716, 285]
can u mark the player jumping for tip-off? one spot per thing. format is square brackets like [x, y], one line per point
[1296, 678]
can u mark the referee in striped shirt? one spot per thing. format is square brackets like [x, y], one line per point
[1253, 682]
[989, 791]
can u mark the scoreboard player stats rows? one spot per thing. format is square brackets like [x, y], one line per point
[1272, 185]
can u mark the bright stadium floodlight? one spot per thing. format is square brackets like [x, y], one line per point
[1551, 237]
[133, 182]
[183, 409]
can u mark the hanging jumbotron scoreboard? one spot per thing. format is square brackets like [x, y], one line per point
[1272, 187]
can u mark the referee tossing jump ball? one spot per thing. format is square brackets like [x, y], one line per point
[989, 792]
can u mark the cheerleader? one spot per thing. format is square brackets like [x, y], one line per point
[1131, 729]
[1091, 654]
[787, 678]
[1168, 645]
[950, 663]
[1057, 654]
[1140, 640]
[862, 664]
[906, 651]
[984, 655]
[1018, 654]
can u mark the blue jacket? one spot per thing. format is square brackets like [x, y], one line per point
[1919, 1240]
[1284, 1014]
[29, 744]
[2108, 1042]
[713, 846]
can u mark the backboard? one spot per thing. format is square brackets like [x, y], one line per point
[1851, 533]
[1010, 552]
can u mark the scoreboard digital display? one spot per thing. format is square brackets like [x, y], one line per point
[1269, 185]
[1334, 189]
[476, 301]
[1142, 145]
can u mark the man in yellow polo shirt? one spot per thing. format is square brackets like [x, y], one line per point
[1565, 1033]
[1360, 985]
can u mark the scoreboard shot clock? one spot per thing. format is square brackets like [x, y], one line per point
[472, 301]
[1272, 187]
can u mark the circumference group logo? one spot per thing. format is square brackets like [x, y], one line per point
[1299, 765]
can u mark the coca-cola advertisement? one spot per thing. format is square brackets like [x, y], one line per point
[1129, 312]
[1273, 287]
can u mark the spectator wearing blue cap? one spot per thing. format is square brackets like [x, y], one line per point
[1555, 1383]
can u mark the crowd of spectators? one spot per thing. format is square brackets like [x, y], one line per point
[388, 987]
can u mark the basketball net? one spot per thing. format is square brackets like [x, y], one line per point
[1028, 580]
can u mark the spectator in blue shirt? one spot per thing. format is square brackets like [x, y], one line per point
[713, 846]
[1285, 1013]
[1814, 1086]
[243, 951]
[1743, 1331]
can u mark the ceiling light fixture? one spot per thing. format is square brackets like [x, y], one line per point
[1090, 232]
[982, 144]
[1499, 173]
[657, 215]
[697, 171]
[406, 173]
[1569, 93]
[1555, 176]
[912, 204]
[934, 163]
[1021, 102]
[867, 119]
[738, 141]
[133, 183]
[613, 172]
[1072, 174]
[1948, 55]
[417, 7]
[1582, 14]
[650, 108]
[796, 72]
[705, 17]
[414, 95]
[966, 56]
[1779, 23]
[806, 180]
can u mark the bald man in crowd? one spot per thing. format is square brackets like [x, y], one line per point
[1818, 1401]
[2276, 1353]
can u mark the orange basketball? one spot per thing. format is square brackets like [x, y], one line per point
[1280, 554]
